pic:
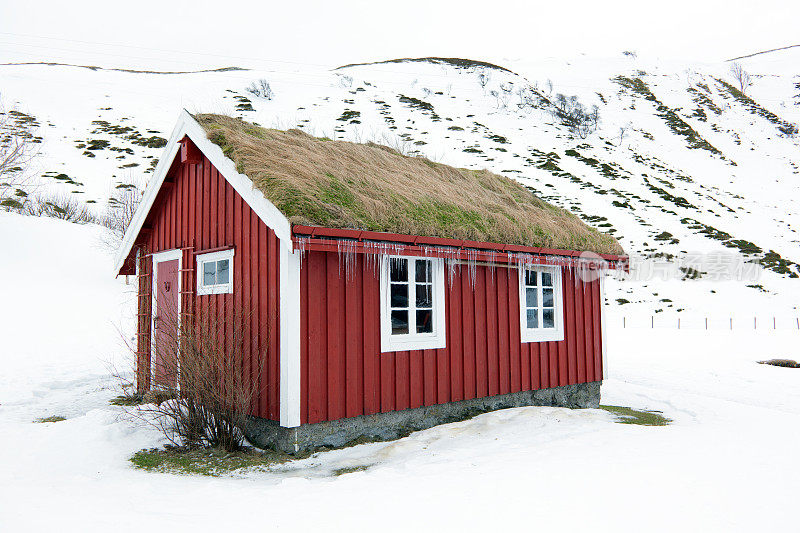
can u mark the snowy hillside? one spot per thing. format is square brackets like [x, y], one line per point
[682, 167]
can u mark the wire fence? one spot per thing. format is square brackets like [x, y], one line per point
[709, 322]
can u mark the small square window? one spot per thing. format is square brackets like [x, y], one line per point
[214, 272]
[412, 304]
[540, 304]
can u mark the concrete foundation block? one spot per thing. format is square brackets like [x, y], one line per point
[395, 424]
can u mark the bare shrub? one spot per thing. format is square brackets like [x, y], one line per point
[496, 96]
[623, 130]
[741, 76]
[261, 89]
[18, 147]
[529, 98]
[347, 81]
[575, 116]
[504, 94]
[483, 79]
[59, 205]
[119, 212]
[202, 392]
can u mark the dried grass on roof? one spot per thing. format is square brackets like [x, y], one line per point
[341, 184]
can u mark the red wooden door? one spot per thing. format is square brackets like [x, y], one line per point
[166, 323]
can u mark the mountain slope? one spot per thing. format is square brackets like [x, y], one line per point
[682, 166]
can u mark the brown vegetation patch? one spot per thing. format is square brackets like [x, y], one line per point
[787, 363]
[341, 184]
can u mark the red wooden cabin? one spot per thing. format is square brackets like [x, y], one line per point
[344, 323]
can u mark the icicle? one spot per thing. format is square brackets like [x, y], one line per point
[452, 254]
[472, 256]
[346, 249]
[302, 247]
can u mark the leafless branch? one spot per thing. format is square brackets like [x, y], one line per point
[741, 76]
[18, 147]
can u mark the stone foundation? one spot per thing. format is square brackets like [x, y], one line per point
[395, 424]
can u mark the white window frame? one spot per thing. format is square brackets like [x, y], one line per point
[220, 288]
[542, 334]
[412, 340]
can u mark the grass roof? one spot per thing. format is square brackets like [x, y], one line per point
[337, 184]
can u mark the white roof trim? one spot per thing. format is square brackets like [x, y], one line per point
[188, 126]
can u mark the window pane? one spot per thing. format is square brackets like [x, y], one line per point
[547, 297]
[223, 271]
[425, 321]
[399, 295]
[209, 271]
[530, 277]
[530, 297]
[398, 269]
[423, 271]
[399, 322]
[533, 319]
[424, 296]
[547, 279]
[548, 318]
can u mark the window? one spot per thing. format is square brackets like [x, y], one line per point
[541, 310]
[215, 272]
[412, 304]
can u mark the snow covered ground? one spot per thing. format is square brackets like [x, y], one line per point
[729, 462]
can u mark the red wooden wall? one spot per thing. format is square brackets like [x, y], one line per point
[198, 210]
[344, 374]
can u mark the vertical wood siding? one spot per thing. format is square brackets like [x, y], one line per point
[344, 374]
[197, 210]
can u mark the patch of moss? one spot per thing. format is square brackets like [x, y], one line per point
[627, 415]
[245, 104]
[205, 461]
[784, 127]
[448, 215]
[668, 115]
[128, 133]
[47, 419]
[127, 400]
[679, 201]
[416, 102]
[349, 470]
[785, 363]
[97, 144]
[351, 116]
[422, 105]
[498, 139]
